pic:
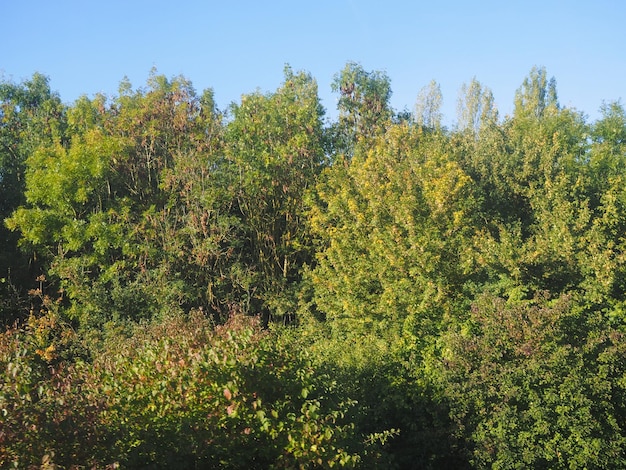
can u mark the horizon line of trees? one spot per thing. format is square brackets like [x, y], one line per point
[454, 297]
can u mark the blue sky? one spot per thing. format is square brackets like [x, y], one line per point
[237, 47]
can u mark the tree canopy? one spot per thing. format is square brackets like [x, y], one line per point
[262, 286]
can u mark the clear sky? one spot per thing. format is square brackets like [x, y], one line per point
[237, 47]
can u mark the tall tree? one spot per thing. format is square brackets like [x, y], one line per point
[537, 95]
[394, 226]
[274, 143]
[535, 203]
[89, 205]
[428, 106]
[31, 115]
[364, 109]
[605, 263]
[476, 107]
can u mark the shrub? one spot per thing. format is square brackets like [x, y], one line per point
[537, 385]
[46, 416]
[176, 394]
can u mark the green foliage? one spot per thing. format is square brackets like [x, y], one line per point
[274, 146]
[46, 413]
[455, 297]
[364, 109]
[94, 205]
[394, 224]
[154, 204]
[428, 106]
[537, 385]
[537, 95]
[476, 107]
[179, 393]
[30, 115]
[398, 405]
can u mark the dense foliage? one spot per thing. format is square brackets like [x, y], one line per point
[261, 287]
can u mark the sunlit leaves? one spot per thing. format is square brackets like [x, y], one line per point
[364, 109]
[427, 253]
[476, 107]
[31, 115]
[178, 393]
[274, 149]
[537, 96]
[393, 223]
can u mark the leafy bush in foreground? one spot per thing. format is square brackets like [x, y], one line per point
[176, 394]
[537, 385]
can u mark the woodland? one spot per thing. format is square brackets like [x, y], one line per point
[266, 287]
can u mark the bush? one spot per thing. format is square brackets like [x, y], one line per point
[398, 406]
[176, 394]
[537, 385]
[46, 416]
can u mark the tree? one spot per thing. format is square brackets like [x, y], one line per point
[90, 204]
[607, 153]
[31, 115]
[605, 264]
[274, 144]
[535, 206]
[537, 95]
[394, 227]
[476, 107]
[364, 109]
[428, 106]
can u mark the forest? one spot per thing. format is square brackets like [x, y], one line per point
[262, 286]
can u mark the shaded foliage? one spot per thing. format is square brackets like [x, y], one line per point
[536, 385]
